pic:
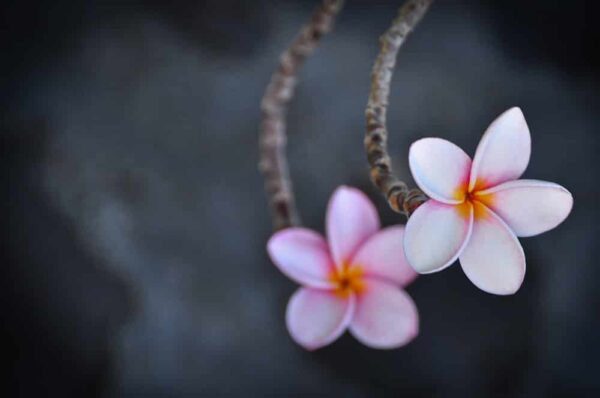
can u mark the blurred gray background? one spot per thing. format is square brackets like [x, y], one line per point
[135, 220]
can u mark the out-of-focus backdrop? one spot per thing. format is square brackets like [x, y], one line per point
[135, 221]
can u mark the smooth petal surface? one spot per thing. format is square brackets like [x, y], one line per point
[493, 259]
[351, 220]
[436, 234]
[316, 318]
[385, 316]
[302, 255]
[440, 168]
[529, 207]
[382, 256]
[503, 152]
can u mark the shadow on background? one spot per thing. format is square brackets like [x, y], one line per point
[135, 221]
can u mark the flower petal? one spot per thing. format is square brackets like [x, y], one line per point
[382, 256]
[385, 316]
[302, 255]
[503, 152]
[493, 259]
[351, 220]
[316, 318]
[529, 207]
[435, 235]
[440, 168]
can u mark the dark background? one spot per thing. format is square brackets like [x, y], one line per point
[135, 221]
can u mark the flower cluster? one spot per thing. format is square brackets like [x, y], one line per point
[477, 208]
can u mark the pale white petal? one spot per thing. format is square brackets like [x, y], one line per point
[440, 168]
[316, 318]
[303, 256]
[529, 207]
[435, 235]
[503, 152]
[351, 220]
[493, 259]
[382, 256]
[385, 316]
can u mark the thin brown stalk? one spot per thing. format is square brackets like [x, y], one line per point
[400, 198]
[273, 161]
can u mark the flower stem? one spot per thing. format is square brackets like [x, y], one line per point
[400, 198]
[272, 141]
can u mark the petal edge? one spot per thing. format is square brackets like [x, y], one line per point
[493, 259]
[302, 255]
[385, 317]
[503, 151]
[351, 219]
[436, 234]
[316, 318]
[382, 256]
[440, 168]
[529, 207]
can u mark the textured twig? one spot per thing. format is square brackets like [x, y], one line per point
[399, 197]
[279, 92]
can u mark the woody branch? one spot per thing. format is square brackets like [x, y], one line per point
[400, 198]
[279, 92]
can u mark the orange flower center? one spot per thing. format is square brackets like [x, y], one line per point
[473, 199]
[348, 279]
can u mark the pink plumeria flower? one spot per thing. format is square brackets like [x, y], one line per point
[353, 280]
[477, 209]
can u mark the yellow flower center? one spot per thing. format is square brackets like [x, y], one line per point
[348, 279]
[473, 198]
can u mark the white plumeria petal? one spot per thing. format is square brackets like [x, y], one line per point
[503, 152]
[435, 235]
[303, 256]
[351, 220]
[493, 259]
[440, 168]
[316, 318]
[529, 207]
[385, 316]
[382, 256]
